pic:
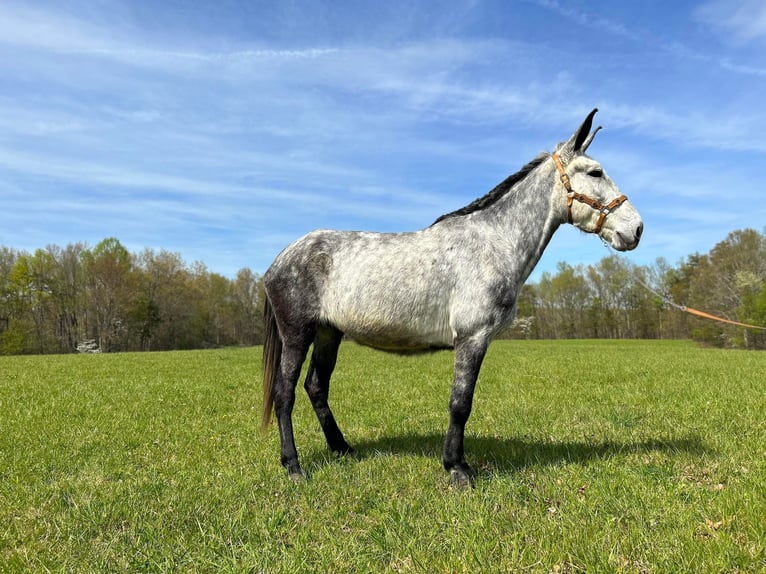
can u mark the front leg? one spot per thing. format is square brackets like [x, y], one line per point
[469, 354]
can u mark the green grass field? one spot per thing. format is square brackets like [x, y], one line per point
[591, 456]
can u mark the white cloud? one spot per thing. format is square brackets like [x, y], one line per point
[740, 20]
[28, 27]
[590, 19]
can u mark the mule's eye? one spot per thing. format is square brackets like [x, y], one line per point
[597, 172]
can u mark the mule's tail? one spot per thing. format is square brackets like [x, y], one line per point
[272, 353]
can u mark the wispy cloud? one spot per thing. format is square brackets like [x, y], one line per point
[425, 78]
[740, 20]
[589, 19]
[173, 135]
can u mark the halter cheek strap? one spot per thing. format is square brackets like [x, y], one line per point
[573, 196]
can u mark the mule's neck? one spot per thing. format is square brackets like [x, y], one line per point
[522, 223]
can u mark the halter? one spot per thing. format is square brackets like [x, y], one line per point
[572, 195]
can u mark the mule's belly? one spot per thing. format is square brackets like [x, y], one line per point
[395, 336]
[400, 325]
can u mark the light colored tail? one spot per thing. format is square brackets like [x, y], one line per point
[272, 353]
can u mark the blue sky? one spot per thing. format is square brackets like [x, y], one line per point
[224, 130]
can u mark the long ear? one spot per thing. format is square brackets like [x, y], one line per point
[589, 139]
[581, 134]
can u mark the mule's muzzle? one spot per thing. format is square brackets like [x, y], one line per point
[626, 240]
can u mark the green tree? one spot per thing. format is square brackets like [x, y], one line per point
[108, 267]
[610, 280]
[248, 302]
[41, 285]
[163, 299]
[68, 287]
[7, 262]
[562, 302]
[18, 331]
[726, 283]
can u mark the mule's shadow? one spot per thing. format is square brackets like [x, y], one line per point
[491, 455]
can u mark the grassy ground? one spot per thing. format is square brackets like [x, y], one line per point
[592, 456]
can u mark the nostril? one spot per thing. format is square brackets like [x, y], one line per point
[639, 230]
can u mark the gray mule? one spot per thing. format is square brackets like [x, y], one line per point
[451, 285]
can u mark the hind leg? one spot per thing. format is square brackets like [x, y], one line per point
[317, 386]
[293, 355]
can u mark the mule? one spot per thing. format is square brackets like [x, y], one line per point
[452, 285]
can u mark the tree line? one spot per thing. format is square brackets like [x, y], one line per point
[616, 299]
[61, 300]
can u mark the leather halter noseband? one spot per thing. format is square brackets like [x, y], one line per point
[572, 195]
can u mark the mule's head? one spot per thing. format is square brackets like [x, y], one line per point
[593, 202]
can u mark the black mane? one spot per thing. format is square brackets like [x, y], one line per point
[499, 190]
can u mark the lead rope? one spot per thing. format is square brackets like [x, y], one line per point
[668, 301]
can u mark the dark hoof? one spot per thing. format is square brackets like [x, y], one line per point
[461, 478]
[343, 449]
[347, 451]
[298, 477]
[295, 473]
